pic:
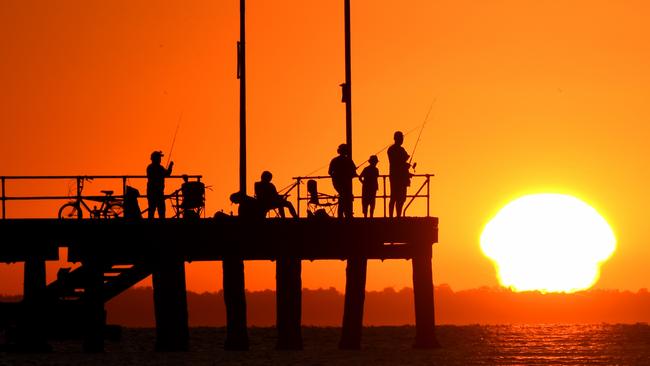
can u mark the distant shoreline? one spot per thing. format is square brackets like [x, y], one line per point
[323, 307]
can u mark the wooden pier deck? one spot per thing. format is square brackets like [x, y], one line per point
[116, 254]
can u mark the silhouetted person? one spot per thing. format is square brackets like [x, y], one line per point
[369, 186]
[399, 175]
[249, 207]
[269, 198]
[131, 206]
[156, 174]
[343, 170]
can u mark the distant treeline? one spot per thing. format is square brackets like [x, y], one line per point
[323, 307]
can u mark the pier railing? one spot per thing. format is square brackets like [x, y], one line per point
[420, 188]
[113, 181]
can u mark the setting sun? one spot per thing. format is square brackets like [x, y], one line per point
[549, 243]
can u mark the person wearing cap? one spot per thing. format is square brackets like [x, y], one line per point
[342, 170]
[156, 174]
[399, 175]
[369, 186]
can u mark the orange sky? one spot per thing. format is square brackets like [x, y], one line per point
[531, 97]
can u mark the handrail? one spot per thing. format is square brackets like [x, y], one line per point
[4, 180]
[418, 194]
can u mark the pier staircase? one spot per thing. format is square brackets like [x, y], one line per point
[69, 287]
[64, 300]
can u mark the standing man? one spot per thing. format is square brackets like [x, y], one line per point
[156, 174]
[369, 186]
[399, 174]
[343, 170]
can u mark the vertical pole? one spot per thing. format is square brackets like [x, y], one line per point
[298, 198]
[170, 305]
[234, 292]
[242, 96]
[355, 292]
[79, 184]
[384, 184]
[348, 79]
[94, 315]
[124, 187]
[425, 332]
[428, 194]
[234, 296]
[289, 307]
[4, 208]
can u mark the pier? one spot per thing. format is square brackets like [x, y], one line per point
[116, 254]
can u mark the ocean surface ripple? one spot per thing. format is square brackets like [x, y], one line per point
[599, 344]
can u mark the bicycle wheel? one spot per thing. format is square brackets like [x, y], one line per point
[113, 211]
[70, 210]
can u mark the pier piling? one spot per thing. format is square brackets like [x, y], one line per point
[355, 294]
[289, 303]
[425, 336]
[170, 305]
[31, 336]
[93, 303]
[234, 296]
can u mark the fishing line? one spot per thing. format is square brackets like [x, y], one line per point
[426, 119]
[171, 149]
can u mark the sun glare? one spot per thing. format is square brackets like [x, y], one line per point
[548, 243]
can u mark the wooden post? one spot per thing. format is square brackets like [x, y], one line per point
[170, 305]
[288, 294]
[94, 314]
[355, 293]
[425, 331]
[234, 296]
[32, 324]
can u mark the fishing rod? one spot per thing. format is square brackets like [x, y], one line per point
[359, 166]
[426, 119]
[420, 126]
[389, 145]
[171, 149]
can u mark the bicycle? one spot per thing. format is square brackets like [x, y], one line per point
[111, 207]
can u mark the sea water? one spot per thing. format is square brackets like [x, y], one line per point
[558, 344]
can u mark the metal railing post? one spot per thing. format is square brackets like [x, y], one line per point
[79, 184]
[4, 208]
[298, 196]
[428, 194]
[384, 184]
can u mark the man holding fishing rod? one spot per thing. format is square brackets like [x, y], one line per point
[156, 175]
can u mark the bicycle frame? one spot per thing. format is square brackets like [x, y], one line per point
[108, 202]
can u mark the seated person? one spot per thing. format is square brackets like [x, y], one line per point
[131, 206]
[269, 198]
[249, 207]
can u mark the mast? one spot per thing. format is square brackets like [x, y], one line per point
[241, 75]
